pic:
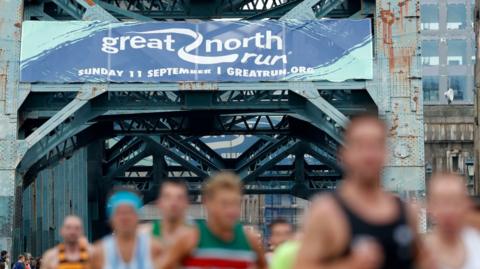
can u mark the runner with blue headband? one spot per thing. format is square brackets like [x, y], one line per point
[125, 248]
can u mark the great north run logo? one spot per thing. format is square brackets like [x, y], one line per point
[189, 53]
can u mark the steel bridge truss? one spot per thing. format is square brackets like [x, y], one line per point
[147, 10]
[297, 129]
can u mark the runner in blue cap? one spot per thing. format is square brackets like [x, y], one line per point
[125, 248]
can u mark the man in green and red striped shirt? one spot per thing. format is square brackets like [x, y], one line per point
[221, 242]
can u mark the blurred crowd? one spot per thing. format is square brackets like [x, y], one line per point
[360, 225]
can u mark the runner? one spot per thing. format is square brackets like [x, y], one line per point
[173, 204]
[73, 253]
[361, 225]
[455, 244]
[286, 253]
[221, 241]
[280, 232]
[125, 248]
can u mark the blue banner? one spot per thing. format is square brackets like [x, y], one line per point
[79, 51]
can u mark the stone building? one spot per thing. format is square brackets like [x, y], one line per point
[448, 59]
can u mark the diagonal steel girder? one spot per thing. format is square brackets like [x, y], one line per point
[193, 153]
[311, 9]
[204, 123]
[68, 122]
[325, 116]
[267, 159]
[119, 146]
[85, 10]
[207, 158]
[121, 165]
[160, 145]
[212, 154]
[66, 149]
[124, 154]
[322, 155]
[180, 9]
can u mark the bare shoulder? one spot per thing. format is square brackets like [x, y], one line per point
[51, 253]
[334, 228]
[323, 205]
[97, 250]
[96, 261]
[188, 235]
[50, 258]
[430, 240]
[156, 248]
[145, 228]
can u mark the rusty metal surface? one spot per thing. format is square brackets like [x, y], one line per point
[11, 13]
[397, 90]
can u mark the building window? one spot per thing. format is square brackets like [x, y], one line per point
[430, 88]
[458, 84]
[456, 52]
[430, 53]
[429, 17]
[456, 15]
[454, 163]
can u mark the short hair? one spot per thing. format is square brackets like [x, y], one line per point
[21, 256]
[279, 221]
[72, 216]
[359, 119]
[176, 182]
[224, 180]
[4, 252]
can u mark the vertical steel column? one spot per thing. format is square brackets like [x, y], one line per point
[11, 13]
[397, 90]
[476, 140]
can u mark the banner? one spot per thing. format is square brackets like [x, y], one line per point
[211, 51]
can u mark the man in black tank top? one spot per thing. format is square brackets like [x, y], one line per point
[361, 225]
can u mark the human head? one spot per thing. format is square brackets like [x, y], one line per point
[363, 154]
[173, 200]
[21, 258]
[39, 262]
[72, 230]
[280, 231]
[448, 202]
[123, 206]
[3, 253]
[222, 197]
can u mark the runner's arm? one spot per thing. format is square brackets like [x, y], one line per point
[156, 249]
[49, 259]
[181, 248]
[318, 248]
[97, 260]
[255, 243]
